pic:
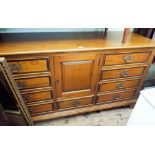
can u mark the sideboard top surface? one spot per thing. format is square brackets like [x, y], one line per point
[13, 44]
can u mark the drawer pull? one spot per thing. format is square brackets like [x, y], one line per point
[128, 58]
[119, 85]
[15, 67]
[76, 103]
[123, 73]
[22, 84]
[26, 98]
[116, 97]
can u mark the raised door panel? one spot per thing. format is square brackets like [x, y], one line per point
[76, 74]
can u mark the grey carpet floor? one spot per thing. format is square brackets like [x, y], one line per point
[114, 117]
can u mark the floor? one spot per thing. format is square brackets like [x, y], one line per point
[114, 117]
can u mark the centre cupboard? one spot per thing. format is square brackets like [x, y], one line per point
[78, 76]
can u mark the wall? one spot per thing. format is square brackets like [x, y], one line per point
[26, 30]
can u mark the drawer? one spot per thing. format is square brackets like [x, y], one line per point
[28, 66]
[122, 73]
[75, 103]
[119, 85]
[40, 108]
[117, 59]
[116, 96]
[37, 96]
[29, 83]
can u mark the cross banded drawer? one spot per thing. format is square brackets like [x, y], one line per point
[28, 66]
[75, 103]
[37, 96]
[119, 85]
[122, 73]
[40, 108]
[118, 59]
[116, 96]
[29, 83]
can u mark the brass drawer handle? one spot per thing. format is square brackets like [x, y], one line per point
[76, 103]
[26, 98]
[116, 97]
[21, 84]
[123, 73]
[128, 58]
[15, 67]
[119, 85]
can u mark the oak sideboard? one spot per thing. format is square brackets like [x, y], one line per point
[63, 74]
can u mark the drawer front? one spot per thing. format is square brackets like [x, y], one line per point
[40, 108]
[38, 96]
[116, 96]
[75, 103]
[29, 83]
[117, 59]
[122, 73]
[119, 85]
[28, 66]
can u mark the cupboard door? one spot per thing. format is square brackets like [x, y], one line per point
[76, 74]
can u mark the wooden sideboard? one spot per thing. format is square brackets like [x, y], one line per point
[63, 74]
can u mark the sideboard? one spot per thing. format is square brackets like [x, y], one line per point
[64, 74]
